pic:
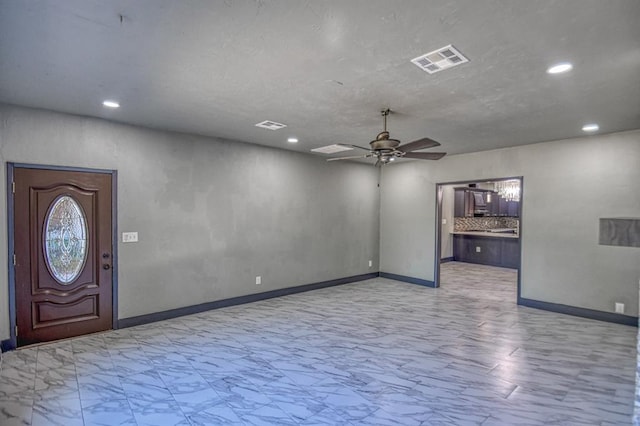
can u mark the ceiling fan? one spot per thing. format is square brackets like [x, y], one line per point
[385, 149]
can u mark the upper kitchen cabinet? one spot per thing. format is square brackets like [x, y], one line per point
[493, 203]
[513, 208]
[470, 202]
[508, 208]
[462, 203]
[475, 202]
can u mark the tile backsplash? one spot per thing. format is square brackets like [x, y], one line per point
[484, 223]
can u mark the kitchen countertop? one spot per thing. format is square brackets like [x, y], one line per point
[486, 234]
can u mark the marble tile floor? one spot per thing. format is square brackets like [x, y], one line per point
[377, 352]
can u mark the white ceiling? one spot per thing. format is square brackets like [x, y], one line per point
[326, 68]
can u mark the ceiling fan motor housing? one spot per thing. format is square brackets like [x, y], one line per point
[383, 142]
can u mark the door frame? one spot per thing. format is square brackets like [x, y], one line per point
[13, 341]
[438, 248]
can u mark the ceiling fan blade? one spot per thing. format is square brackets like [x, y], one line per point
[354, 146]
[425, 155]
[419, 144]
[348, 158]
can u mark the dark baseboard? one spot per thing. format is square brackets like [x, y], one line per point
[406, 279]
[194, 309]
[6, 345]
[579, 312]
[447, 259]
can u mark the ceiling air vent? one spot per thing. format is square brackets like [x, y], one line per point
[271, 125]
[331, 149]
[440, 59]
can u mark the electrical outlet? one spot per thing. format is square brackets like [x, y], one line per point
[129, 237]
[478, 249]
[258, 280]
[370, 263]
[444, 221]
[619, 308]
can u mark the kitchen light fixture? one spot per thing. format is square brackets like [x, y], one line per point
[592, 127]
[508, 189]
[111, 104]
[560, 68]
[292, 140]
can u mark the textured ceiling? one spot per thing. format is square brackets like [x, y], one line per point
[326, 68]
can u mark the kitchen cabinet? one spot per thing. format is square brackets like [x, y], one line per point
[503, 206]
[508, 208]
[494, 204]
[470, 202]
[513, 208]
[494, 251]
[510, 255]
[462, 203]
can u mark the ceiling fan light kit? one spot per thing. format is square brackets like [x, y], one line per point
[386, 149]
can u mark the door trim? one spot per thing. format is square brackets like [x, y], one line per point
[438, 234]
[13, 341]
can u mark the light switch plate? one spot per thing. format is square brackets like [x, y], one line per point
[478, 250]
[129, 237]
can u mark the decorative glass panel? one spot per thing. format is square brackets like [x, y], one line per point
[65, 239]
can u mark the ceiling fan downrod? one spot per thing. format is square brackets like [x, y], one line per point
[384, 134]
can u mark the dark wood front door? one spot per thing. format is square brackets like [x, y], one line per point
[63, 253]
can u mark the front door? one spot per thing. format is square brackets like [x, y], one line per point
[63, 253]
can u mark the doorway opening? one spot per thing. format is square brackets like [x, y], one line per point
[62, 252]
[478, 237]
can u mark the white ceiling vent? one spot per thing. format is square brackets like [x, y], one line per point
[331, 149]
[440, 59]
[271, 125]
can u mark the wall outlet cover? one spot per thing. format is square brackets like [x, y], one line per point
[619, 308]
[478, 250]
[258, 280]
[370, 263]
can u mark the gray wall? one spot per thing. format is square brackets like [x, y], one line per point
[448, 203]
[568, 186]
[211, 214]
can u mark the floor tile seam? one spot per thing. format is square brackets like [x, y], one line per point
[194, 371]
[258, 407]
[33, 399]
[130, 410]
[295, 419]
[455, 421]
[185, 415]
[78, 387]
[222, 398]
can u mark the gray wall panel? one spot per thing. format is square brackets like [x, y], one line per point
[568, 186]
[211, 214]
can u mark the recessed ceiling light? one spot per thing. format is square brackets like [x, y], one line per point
[392, 159]
[560, 68]
[292, 140]
[591, 127]
[111, 104]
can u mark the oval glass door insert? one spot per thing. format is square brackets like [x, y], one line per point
[65, 239]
